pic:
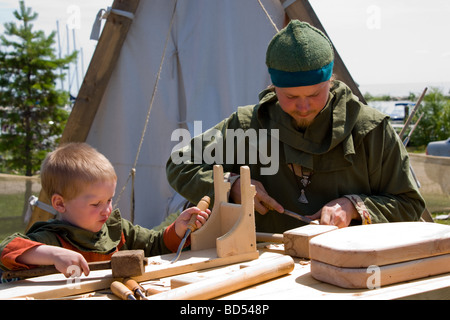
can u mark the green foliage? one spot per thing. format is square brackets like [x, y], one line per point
[31, 108]
[435, 123]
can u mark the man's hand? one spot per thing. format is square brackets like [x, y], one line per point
[263, 202]
[339, 212]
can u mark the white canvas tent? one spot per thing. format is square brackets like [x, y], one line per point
[214, 62]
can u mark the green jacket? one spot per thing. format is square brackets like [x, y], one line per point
[351, 148]
[114, 232]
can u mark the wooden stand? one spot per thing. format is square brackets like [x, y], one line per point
[231, 227]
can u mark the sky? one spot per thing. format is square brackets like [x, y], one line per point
[75, 18]
[382, 42]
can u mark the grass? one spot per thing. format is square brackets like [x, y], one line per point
[434, 215]
[11, 214]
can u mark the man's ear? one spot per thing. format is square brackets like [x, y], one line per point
[58, 203]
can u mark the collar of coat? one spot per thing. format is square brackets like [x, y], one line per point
[104, 241]
[329, 143]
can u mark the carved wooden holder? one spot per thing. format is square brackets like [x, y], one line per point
[231, 227]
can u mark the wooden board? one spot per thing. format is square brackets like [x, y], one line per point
[296, 241]
[375, 277]
[56, 285]
[380, 244]
[300, 285]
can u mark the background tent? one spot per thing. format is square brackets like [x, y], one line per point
[214, 62]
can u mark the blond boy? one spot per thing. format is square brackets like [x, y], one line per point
[81, 183]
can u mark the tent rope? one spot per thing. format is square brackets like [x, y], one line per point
[268, 16]
[132, 173]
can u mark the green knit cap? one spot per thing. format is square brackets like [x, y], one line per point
[299, 55]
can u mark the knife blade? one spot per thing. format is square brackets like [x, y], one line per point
[299, 217]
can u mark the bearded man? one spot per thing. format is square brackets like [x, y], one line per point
[339, 160]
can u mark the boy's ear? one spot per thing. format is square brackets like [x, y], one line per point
[58, 203]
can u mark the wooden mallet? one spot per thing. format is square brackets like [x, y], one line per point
[124, 264]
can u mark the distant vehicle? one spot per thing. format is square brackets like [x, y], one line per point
[439, 148]
[399, 112]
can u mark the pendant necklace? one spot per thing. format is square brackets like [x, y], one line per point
[305, 181]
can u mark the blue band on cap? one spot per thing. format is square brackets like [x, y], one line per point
[285, 79]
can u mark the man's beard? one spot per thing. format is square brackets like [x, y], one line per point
[302, 124]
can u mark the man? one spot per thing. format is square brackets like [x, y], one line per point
[337, 159]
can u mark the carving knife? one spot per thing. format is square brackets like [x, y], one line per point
[299, 217]
[202, 205]
[293, 215]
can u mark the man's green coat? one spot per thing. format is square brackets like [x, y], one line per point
[352, 150]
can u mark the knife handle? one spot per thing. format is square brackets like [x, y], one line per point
[202, 205]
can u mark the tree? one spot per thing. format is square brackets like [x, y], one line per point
[435, 123]
[31, 108]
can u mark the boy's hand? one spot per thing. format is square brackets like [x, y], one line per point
[66, 260]
[52, 255]
[182, 221]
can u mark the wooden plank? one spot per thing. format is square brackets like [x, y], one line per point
[99, 72]
[55, 286]
[38, 214]
[380, 244]
[302, 10]
[300, 285]
[229, 282]
[269, 237]
[376, 277]
[296, 241]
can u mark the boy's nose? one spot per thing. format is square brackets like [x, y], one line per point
[107, 210]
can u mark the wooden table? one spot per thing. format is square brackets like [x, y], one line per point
[300, 285]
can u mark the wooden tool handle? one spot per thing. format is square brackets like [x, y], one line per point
[134, 286]
[28, 273]
[202, 205]
[46, 270]
[122, 291]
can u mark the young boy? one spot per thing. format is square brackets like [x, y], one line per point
[81, 183]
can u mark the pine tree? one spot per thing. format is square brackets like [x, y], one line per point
[31, 108]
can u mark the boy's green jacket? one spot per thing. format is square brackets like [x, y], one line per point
[116, 233]
[352, 150]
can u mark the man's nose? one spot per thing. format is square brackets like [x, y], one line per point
[302, 104]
